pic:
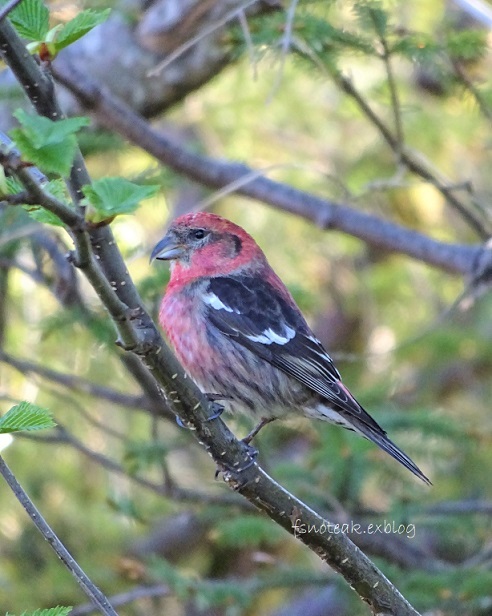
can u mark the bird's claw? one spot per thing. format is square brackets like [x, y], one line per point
[217, 410]
[252, 454]
[252, 451]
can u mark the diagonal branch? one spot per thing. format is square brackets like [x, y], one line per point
[116, 116]
[91, 590]
[73, 382]
[99, 259]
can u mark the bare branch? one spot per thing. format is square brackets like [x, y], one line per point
[90, 589]
[141, 592]
[74, 383]
[115, 115]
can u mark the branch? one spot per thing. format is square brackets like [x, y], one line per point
[140, 592]
[90, 589]
[410, 159]
[74, 383]
[173, 492]
[253, 586]
[99, 259]
[116, 116]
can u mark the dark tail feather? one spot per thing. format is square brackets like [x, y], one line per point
[389, 447]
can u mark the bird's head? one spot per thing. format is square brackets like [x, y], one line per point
[204, 244]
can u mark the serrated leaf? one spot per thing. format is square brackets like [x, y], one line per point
[55, 158]
[56, 188]
[80, 25]
[112, 196]
[25, 417]
[47, 144]
[52, 611]
[13, 186]
[39, 214]
[31, 19]
[42, 131]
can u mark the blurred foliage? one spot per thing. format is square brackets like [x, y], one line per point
[421, 369]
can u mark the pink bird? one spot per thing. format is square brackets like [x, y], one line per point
[239, 334]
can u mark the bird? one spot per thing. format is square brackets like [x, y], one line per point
[238, 333]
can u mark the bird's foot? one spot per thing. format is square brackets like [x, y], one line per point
[217, 409]
[251, 454]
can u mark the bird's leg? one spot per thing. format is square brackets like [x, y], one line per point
[264, 421]
[217, 409]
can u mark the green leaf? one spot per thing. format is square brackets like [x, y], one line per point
[52, 611]
[31, 19]
[47, 144]
[13, 186]
[25, 417]
[468, 45]
[39, 214]
[56, 188]
[80, 25]
[371, 16]
[42, 131]
[4, 186]
[112, 196]
[56, 158]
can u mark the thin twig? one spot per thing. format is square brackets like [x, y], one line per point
[198, 37]
[395, 100]
[413, 161]
[73, 382]
[112, 283]
[286, 44]
[89, 588]
[465, 80]
[174, 492]
[141, 592]
[252, 586]
[243, 22]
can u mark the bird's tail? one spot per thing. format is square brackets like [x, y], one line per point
[380, 439]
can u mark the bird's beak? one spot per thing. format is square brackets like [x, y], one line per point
[168, 248]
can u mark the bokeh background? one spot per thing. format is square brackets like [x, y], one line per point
[134, 497]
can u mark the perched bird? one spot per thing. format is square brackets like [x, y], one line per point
[239, 334]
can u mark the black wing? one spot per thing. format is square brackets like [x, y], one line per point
[256, 316]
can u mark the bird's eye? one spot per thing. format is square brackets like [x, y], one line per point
[199, 234]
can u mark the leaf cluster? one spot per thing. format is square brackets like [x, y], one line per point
[31, 18]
